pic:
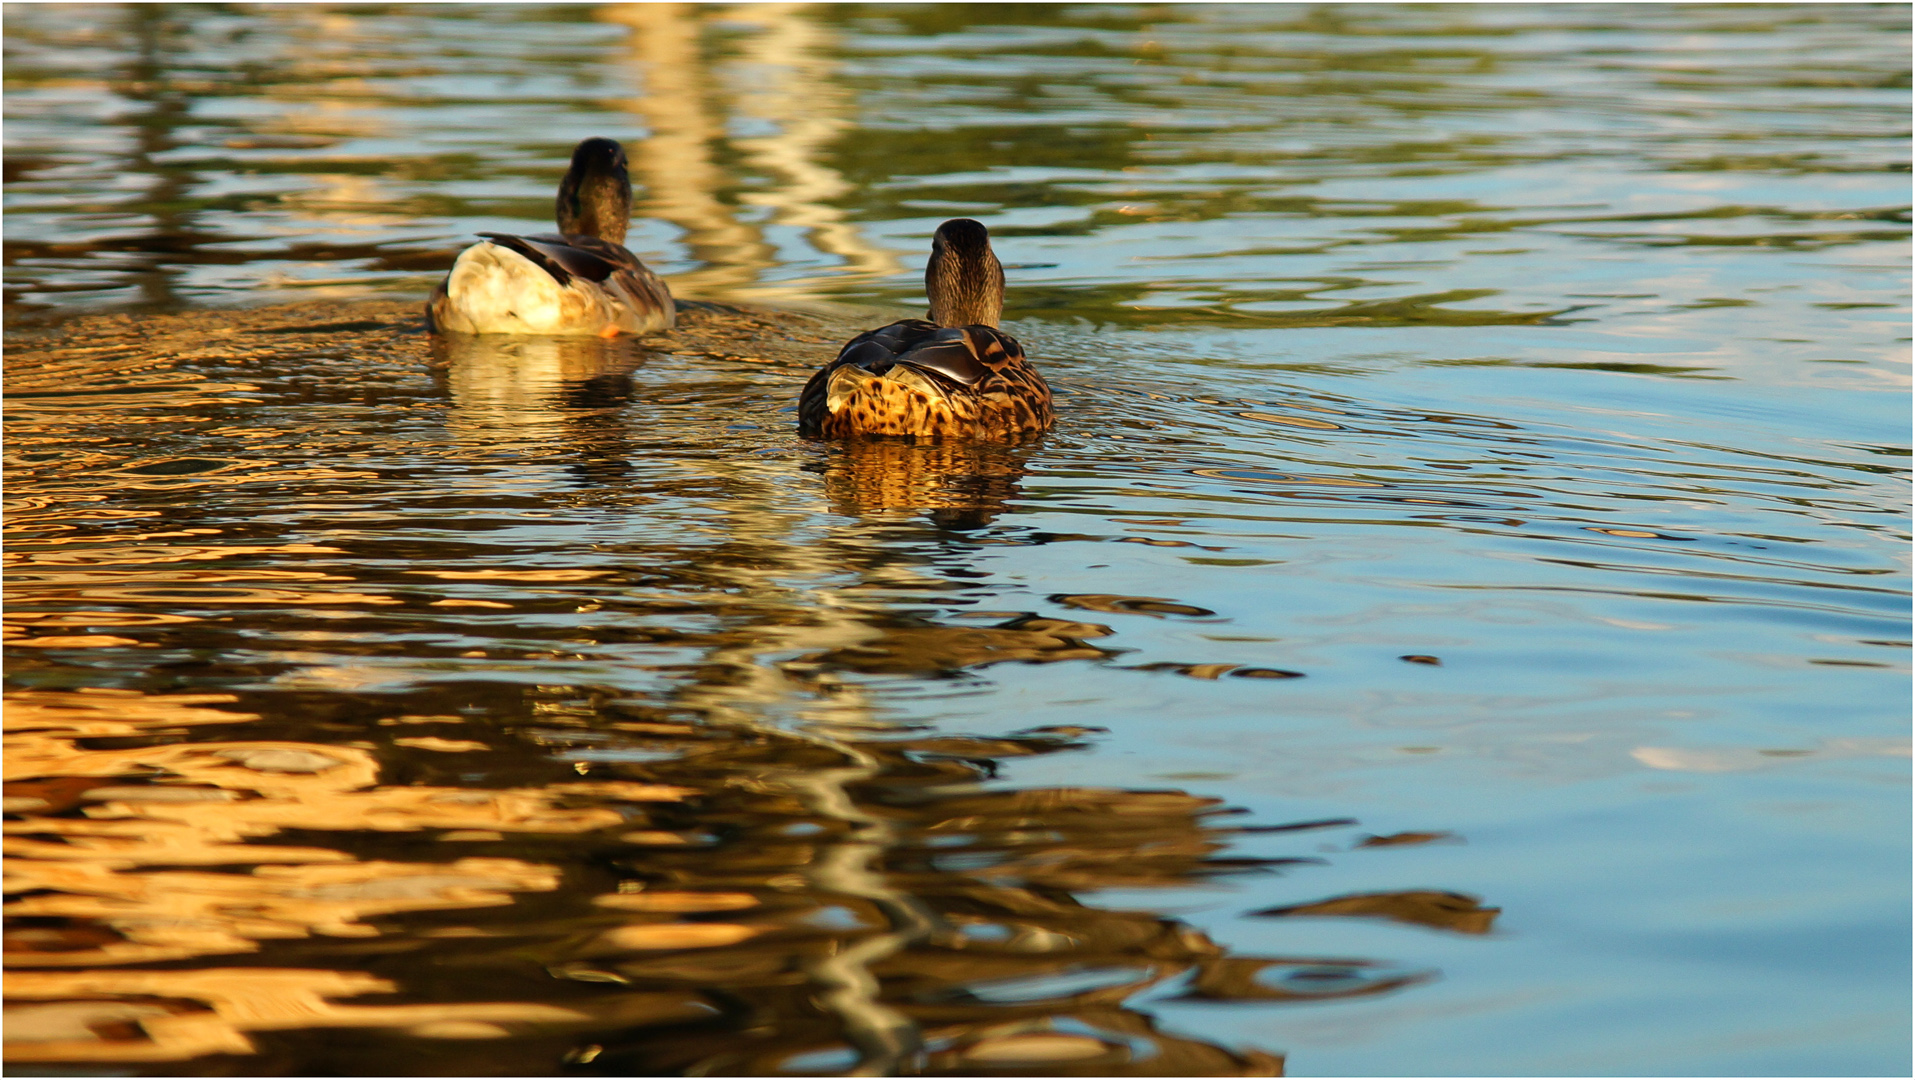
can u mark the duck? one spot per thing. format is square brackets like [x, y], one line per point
[951, 374]
[576, 283]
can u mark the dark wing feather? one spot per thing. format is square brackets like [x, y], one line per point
[945, 351]
[864, 352]
[628, 274]
[542, 256]
[565, 257]
[614, 256]
[594, 262]
[892, 339]
[949, 353]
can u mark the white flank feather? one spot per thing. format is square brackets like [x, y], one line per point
[495, 290]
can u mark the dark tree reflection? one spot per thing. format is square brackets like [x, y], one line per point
[914, 918]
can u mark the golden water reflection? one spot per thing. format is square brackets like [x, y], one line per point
[727, 883]
[261, 784]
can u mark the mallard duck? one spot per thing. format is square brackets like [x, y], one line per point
[956, 374]
[579, 282]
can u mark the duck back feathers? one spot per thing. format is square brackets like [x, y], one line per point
[916, 378]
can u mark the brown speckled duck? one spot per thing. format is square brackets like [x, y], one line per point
[579, 282]
[955, 375]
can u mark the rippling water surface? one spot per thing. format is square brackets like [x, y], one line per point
[1460, 623]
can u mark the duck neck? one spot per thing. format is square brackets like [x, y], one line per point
[966, 287]
[595, 199]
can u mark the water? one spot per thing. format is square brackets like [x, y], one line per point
[1530, 381]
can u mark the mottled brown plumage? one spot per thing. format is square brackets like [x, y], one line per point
[579, 281]
[956, 375]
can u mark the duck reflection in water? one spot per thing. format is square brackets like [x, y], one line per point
[958, 485]
[535, 393]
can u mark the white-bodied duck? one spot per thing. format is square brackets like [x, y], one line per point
[577, 283]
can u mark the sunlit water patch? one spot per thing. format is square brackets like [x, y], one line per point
[1459, 623]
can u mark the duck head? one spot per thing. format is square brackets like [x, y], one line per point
[964, 279]
[595, 197]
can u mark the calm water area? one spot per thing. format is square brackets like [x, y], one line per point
[1459, 624]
